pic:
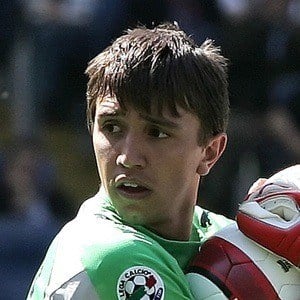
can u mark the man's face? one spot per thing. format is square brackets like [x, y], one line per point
[148, 165]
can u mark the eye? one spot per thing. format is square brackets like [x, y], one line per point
[111, 127]
[158, 133]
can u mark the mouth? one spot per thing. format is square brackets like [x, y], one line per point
[132, 189]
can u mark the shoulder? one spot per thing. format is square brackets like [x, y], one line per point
[96, 255]
[125, 257]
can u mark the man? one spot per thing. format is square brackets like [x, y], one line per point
[157, 107]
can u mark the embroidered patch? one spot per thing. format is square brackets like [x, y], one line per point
[140, 283]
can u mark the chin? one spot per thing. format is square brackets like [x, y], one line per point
[134, 218]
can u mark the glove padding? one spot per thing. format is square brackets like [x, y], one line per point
[270, 216]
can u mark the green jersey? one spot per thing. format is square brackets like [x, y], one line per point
[98, 256]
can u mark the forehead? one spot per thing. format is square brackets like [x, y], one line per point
[109, 105]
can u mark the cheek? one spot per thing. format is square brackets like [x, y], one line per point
[103, 150]
[184, 157]
[173, 167]
[180, 167]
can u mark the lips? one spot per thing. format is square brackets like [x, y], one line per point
[132, 189]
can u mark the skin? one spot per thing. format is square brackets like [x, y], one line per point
[151, 166]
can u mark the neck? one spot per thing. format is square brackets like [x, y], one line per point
[178, 229]
[178, 224]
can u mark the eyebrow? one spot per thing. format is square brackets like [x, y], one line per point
[111, 113]
[161, 121]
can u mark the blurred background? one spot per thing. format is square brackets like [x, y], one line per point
[47, 167]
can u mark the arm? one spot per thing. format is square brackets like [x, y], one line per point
[264, 245]
[270, 215]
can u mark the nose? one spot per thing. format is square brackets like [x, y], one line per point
[131, 154]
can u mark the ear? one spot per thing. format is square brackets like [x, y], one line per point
[212, 152]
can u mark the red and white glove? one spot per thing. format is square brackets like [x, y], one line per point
[270, 215]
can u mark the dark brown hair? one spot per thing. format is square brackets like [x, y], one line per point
[152, 69]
